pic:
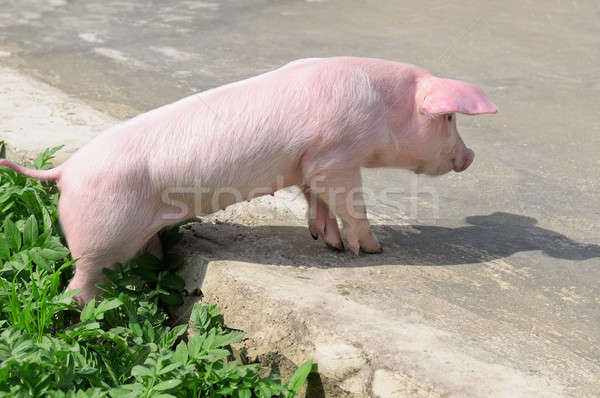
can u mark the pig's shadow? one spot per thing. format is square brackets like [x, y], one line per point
[489, 237]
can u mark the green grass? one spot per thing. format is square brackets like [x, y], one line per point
[118, 346]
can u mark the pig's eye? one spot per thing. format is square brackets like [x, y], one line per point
[449, 118]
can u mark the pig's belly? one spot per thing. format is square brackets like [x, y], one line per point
[191, 200]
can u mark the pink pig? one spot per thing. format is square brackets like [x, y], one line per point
[313, 123]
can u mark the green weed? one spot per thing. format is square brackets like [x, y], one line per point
[120, 346]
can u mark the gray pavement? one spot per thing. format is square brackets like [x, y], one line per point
[494, 292]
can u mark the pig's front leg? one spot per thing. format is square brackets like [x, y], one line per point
[341, 192]
[321, 222]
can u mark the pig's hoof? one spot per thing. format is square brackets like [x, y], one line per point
[85, 295]
[354, 247]
[80, 301]
[315, 237]
[339, 247]
[372, 251]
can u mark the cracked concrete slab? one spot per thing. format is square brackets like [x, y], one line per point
[488, 280]
[370, 317]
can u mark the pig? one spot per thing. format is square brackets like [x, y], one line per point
[313, 123]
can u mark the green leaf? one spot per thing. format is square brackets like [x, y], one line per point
[53, 243]
[134, 387]
[128, 391]
[227, 339]
[52, 255]
[30, 231]
[194, 345]
[136, 328]
[173, 261]
[146, 274]
[7, 194]
[169, 368]
[218, 352]
[52, 249]
[169, 338]
[244, 393]
[172, 281]
[181, 353]
[141, 371]
[148, 262]
[205, 318]
[299, 378]
[42, 160]
[92, 326]
[47, 220]
[148, 331]
[13, 236]
[29, 200]
[37, 257]
[167, 385]
[110, 275]
[172, 299]
[107, 305]
[4, 248]
[88, 311]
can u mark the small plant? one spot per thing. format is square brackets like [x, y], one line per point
[120, 345]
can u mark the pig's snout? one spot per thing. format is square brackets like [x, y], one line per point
[461, 164]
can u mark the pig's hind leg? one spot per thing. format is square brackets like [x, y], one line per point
[154, 247]
[102, 234]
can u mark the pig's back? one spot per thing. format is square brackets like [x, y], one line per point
[244, 134]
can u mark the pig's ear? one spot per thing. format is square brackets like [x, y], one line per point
[440, 96]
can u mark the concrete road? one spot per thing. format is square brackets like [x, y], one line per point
[504, 260]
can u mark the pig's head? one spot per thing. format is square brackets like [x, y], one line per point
[437, 148]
